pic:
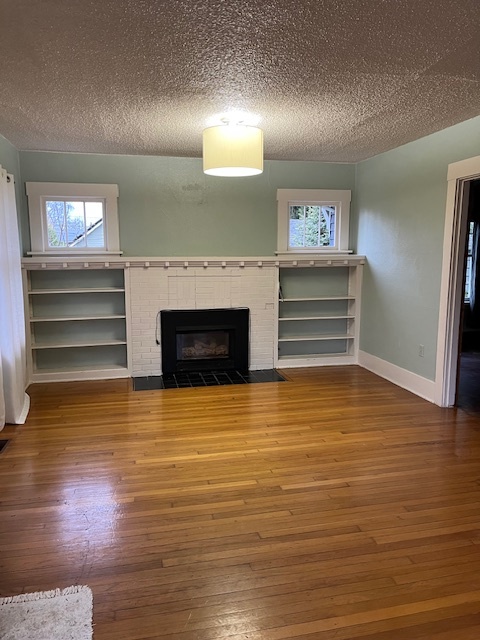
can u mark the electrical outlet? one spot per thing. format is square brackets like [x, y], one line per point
[421, 350]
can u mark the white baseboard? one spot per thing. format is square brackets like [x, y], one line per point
[406, 379]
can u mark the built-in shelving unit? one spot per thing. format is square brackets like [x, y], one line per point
[319, 307]
[77, 323]
[79, 311]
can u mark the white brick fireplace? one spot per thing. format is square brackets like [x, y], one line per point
[210, 286]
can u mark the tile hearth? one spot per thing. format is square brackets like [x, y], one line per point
[205, 379]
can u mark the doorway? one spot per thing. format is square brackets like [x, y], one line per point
[463, 179]
[468, 380]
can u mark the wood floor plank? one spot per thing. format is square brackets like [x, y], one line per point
[334, 505]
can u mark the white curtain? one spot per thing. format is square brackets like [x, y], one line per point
[14, 402]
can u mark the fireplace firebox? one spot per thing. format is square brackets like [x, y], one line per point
[204, 340]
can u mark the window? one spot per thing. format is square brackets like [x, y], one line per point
[468, 270]
[313, 220]
[75, 223]
[69, 218]
[311, 226]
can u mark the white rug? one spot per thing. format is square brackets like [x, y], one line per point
[48, 615]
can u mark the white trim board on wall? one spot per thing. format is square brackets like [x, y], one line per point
[401, 377]
[459, 173]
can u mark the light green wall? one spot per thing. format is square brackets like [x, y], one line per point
[169, 207]
[399, 225]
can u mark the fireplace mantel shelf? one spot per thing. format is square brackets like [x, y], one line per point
[99, 262]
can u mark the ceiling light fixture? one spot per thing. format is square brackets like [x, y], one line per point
[232, 149]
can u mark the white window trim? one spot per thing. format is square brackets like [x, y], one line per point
[39, 192]
[339, 197]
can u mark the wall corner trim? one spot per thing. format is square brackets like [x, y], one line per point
[412, 382]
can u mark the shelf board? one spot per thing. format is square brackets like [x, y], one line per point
[316, 360]
[70, 318]
[86, 368]
[90, 290]
[312, 356]
[315, 337]
[284, 319]
[93, 372]
[322, 299]
[73, 345]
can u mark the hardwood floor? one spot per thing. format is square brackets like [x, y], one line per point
[333, 506]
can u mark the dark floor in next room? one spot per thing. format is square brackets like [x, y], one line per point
[468, 390]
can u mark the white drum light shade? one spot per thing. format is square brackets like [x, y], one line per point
[232, 150]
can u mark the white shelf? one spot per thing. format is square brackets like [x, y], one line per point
[35, 292]
[315, 360]
[74, 345]
[294, 319]
[77, 324]
[313, 356]
[315, 337]
[72, 318]
[325, 304]
[323, 299]
[92, 372]
[90, 367]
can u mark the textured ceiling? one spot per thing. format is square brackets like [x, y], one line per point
[328, 80]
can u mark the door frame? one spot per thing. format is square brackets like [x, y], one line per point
[451, 293]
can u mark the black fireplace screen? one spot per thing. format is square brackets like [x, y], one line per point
[204, 339]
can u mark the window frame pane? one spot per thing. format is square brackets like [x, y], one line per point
[313, 247]
[468, 260]
[73, 245]
[338, 198]
[50, 225]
